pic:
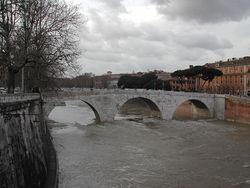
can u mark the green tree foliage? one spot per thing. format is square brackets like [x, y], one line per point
[147, 78]
[158, 84]
[205, 73]
[146, 81]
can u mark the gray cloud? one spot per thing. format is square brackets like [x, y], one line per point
[205, 11]
[113, 41]
[153, 32]
[112, 3]
[110, 26]
[203, 41]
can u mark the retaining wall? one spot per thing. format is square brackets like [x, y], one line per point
[27, 154]
[237, 110]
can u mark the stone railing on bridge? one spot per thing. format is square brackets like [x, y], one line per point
[88, 92]
[9, 98]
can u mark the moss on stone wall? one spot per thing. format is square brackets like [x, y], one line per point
[24, 155]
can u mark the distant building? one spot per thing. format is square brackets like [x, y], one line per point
[162, 75]
[110, 80]
[235, 79]
[113, 80]
[101, 82]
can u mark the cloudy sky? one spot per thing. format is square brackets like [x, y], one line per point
[140, 35]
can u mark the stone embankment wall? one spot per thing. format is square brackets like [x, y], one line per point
[27, 155]
[237, 110]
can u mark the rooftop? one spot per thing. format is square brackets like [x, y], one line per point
[231, 62]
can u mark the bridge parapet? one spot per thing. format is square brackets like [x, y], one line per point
[120, 91]
[10, 98]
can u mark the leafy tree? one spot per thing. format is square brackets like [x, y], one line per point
[123, 82]
[155, 84]
[203, 72]
[146, 78]
[146, 81]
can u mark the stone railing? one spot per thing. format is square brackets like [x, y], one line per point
[88, 92]
[9, 98]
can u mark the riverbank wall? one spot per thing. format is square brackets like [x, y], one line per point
[237, 110]
[27, 155]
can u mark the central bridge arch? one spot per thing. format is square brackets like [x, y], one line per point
[140, 106]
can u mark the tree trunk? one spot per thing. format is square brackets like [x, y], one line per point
[11, 80]
[203, 84]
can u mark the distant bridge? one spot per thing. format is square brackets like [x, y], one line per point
[107, 103]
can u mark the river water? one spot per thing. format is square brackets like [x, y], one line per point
[148, 153]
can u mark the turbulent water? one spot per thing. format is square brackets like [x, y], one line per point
[149, 153]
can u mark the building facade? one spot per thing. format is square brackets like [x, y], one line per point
[235, 79]
[184, 84]
[162, 75]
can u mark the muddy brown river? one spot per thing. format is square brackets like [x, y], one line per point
[149, 153]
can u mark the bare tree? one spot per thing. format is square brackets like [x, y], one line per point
[39, 34]
[8, 20]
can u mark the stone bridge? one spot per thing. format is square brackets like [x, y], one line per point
[107, 103]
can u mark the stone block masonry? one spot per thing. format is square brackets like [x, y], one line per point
[25, 144]
[237, 110]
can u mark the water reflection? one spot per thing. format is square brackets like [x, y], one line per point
[149, 153]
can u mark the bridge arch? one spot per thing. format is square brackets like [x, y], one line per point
[49, 106]
[138, 105]
[98, 119]
[192, 109]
